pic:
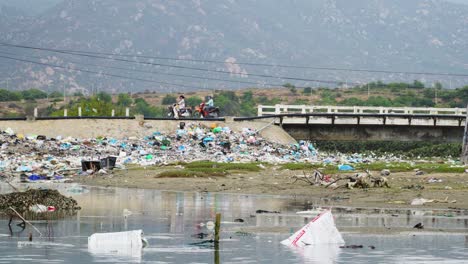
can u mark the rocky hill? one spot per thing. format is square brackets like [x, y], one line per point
[399, 35]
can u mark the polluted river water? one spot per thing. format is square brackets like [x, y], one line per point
[170, 220]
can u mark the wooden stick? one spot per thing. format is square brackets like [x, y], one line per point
[9, 183]
[26, 220]
[217, 227]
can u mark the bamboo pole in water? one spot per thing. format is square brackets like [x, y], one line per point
[464, 155]
[217, 227]
[216, 240]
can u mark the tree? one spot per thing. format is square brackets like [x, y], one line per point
[168, 99]
[193, 101]
[307, 90]
[33, 94]
[417, 85]
[104, 97]
[6, 95]
[228, 102]
[56, 94]
[247, 96]
[124, 100]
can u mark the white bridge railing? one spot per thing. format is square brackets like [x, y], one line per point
[264, 110]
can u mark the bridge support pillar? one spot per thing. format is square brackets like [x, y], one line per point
[464, 156]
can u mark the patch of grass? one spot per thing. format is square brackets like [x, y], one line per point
[405, 167]
[224, 166]
[208, 169]
[377, 166]
[190, 173]
[300, 166]
[326, 169]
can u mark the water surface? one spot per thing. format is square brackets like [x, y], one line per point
[168, 219]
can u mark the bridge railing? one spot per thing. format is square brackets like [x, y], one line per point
[264, 110]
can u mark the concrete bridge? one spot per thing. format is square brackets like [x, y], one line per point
[319, 123]
[368, 123]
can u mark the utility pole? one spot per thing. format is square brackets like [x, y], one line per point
[368, 91]
[64, 94]
[464, 155]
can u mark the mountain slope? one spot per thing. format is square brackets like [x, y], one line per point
[418, 35]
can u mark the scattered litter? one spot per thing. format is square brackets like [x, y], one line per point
[40, 208]
[321, 230]
[419, 226]
[345, 167]
[200, 235]
[419, 172]
[126, 213]
[413, 187]
[353, 246]
[385, 172]
[422, 201]
[434, 180]
[266, 212]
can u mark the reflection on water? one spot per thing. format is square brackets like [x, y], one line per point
[168, 220]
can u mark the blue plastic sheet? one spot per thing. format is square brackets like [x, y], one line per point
[345, 167]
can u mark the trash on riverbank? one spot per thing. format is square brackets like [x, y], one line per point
[40, 158]
[422, 201]
[321, 230]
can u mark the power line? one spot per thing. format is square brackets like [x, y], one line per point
[165, 83]
[242, 63]
[174, 66]
[93, 72]
[154, 72]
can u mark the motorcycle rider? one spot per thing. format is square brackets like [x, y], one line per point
[210, 104]
[179, 106]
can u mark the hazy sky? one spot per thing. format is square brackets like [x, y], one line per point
[37, 6]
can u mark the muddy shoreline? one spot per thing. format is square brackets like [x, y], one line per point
[449, 193]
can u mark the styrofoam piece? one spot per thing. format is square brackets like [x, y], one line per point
[128, 243]
[321, 230]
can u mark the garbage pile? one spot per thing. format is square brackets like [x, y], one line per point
[38, 157]
[38, 201]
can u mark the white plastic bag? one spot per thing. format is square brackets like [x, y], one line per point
[321, 230]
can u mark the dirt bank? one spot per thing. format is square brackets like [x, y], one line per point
[273, 181]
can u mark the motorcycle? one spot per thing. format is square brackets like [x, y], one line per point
[183, 113]
[203, 112]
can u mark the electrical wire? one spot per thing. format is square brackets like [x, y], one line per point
[242, 63]
[177, 66]
[94, 72]
[154, 72]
